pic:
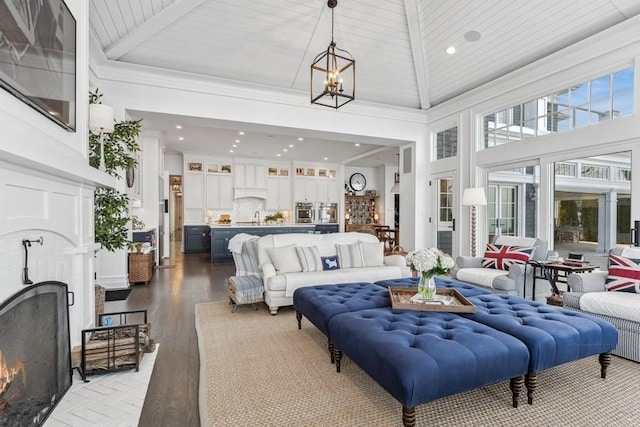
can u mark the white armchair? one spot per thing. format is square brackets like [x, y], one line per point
[511, 281]
[588, 294]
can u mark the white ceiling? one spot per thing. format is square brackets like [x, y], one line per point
[399, 47]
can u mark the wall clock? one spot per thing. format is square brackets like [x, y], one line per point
[357, 181]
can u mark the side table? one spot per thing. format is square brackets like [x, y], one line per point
[554, 272]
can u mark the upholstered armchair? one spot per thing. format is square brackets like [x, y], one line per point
[612, 295]
[509, 277]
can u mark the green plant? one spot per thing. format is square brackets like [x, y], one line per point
[111, 208]
[119, 146]
[111, 217]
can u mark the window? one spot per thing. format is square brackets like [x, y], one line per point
[594, 171]
[624, 174]
[584, 104]
[565, 169]
[447, 143]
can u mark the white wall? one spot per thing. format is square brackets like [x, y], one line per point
[173, 163]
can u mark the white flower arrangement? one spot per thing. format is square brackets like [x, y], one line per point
[430, 261]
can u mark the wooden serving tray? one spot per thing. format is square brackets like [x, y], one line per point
[401, 300]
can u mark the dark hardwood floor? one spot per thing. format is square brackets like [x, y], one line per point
[170, 298]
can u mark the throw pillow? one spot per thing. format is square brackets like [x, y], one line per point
[309, 258]
[285, 259]
[330, 262]
[623, 275]
[372, 254]
[349, 255]
[501, 257]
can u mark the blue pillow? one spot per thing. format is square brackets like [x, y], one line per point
[330, 262]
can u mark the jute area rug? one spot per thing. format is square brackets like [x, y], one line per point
[258, 369]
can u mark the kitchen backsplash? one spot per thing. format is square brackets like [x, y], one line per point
[245, 208]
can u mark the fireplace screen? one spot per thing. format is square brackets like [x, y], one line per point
[35, 363]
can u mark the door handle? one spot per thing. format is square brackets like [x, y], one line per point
[453, 225]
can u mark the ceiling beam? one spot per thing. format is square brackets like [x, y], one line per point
[628, 8]
[153, 25]
[366, 154]
[419, 61]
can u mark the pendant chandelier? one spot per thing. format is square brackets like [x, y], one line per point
[333, 74]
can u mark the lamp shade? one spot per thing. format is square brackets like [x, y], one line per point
[101, 118]
[474, 197]
[395, 189]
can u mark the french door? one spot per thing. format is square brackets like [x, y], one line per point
[502, 210]
[445, 221]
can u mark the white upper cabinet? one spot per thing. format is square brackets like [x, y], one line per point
[219, 191]
[249, 175]
[278, 193]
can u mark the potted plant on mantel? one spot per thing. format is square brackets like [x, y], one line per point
[111, 208]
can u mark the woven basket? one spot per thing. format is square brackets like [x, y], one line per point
[140, 267]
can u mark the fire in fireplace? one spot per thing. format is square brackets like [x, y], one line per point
[35, 362]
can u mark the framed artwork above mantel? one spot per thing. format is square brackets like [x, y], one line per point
[38, 57]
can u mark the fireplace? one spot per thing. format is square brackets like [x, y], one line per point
[35, 362]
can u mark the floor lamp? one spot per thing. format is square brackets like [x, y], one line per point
[473, 197]
[101, 122]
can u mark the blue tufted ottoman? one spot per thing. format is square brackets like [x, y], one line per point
[422, 356]
[553, 335]
[320, 303]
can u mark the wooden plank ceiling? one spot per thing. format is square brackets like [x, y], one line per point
[399, 45]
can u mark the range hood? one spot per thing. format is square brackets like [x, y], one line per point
[256, 193]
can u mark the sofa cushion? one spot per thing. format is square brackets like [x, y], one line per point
[285, 259]
[309, 258]
[330, 262]
[349, 255]
[623, 275]
[372, 254]
[615, 304]
[480, 276]
[501, 257]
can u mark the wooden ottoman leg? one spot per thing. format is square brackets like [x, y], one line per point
[299, 319]
[408, 416]
[337, 355]
[531, 381]
[515, 384]
[605, 361]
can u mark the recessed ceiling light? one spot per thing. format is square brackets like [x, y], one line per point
[451, 50]
[357, 145]
[178, 127]
[285, 150]
[231, 151]
[237, 141]
[278, 154]
[181, 138]
[300, 139]
[326, 158]
[234, 145]
[290, 145]
[472, 36]
[240, 133]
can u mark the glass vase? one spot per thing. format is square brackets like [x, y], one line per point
[426, 287]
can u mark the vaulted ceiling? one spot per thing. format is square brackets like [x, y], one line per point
[399, 45]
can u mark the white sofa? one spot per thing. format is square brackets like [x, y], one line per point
[511, 281]
[588, 295]
[364, 262]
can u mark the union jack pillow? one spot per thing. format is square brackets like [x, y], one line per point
[501, 257]
[623, 275]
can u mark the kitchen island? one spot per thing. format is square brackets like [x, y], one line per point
[222, 233]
